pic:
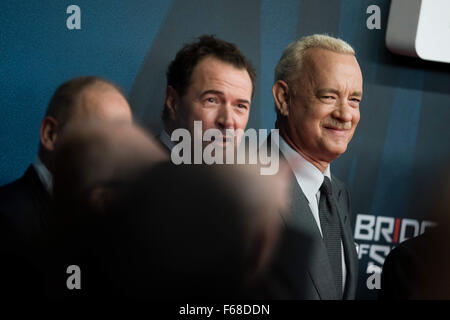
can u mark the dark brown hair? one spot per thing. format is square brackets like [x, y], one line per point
[180, 69]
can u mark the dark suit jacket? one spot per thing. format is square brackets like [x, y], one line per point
[24, 208]
[418, 268]
[301, 268]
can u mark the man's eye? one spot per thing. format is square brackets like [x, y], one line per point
[242, 106]
[211, 100]
[356, 100]
[328, 99]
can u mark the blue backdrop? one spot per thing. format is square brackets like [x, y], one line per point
[402, 134]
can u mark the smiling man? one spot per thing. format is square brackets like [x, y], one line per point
[317, 92]
[210, 81]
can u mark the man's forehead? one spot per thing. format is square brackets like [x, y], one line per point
[321, 64]
[211, 72]
[319, 58]
[209, 64]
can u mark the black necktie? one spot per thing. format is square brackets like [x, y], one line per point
[331, 231]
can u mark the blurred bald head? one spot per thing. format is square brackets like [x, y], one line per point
[209, 232]
[80, 100]
[90, 96]
[101, 101]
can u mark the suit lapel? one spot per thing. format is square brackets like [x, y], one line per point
[302, 220]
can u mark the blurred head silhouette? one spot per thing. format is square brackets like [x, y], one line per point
[193, 232]
[80, 100]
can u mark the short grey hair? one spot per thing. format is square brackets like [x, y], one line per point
[288, 67]
[290, 62]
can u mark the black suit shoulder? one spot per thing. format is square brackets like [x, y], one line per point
[24, 204]
[23, 208]
[405, 267]
[11, 194]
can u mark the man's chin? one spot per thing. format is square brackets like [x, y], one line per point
[335, 151]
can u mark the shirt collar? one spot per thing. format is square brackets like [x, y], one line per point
[165, 139]
[308, 176]
[44, 175]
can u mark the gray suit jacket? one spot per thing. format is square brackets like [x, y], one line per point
[301, 268]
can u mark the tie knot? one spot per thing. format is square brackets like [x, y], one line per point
[326, 186]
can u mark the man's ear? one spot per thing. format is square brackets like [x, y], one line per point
[49, 133]
[280, 92]
[172, 102]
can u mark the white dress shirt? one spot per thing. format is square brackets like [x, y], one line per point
[165, 139]
[309, 178]
[44, 175]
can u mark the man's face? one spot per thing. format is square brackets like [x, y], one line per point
[324, 107]
[219, 95]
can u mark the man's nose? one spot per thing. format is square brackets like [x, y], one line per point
[225, 117]
[343, 111]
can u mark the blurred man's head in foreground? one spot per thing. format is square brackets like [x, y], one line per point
[80, 100]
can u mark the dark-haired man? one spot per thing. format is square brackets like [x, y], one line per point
[210, 81]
